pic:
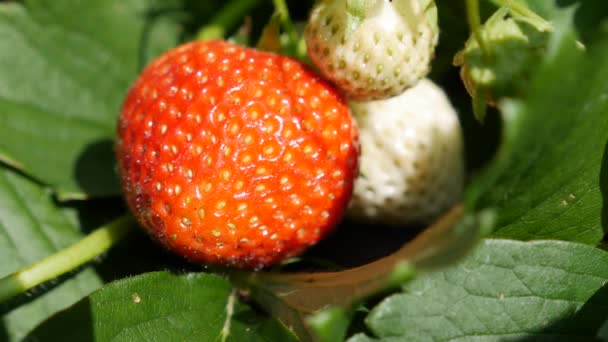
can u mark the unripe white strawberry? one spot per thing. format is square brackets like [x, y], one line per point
[412, 163]
[372, 49]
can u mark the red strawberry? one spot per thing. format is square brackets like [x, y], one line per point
[234, 156]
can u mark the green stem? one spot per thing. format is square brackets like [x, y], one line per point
[281, 7]
[523, 11]
[67, 259]
[475, 26]
[227, 18]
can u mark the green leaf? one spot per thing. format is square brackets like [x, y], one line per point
[544, 183]
[165, 307]
[590, 17]
[544, 290]
[32, 227]
[65, 68]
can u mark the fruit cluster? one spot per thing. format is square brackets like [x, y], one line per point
[239, 157]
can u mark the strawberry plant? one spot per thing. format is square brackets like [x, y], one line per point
[215, 170]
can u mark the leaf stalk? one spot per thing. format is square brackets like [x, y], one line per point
[474, 21]
[67, 259]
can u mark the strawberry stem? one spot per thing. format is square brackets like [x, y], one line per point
[281, 8]
[228, 17]
[474, 20]
[67, 259]
[522, 11]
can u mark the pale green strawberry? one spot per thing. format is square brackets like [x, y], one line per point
[411, 163]
[372, 49]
